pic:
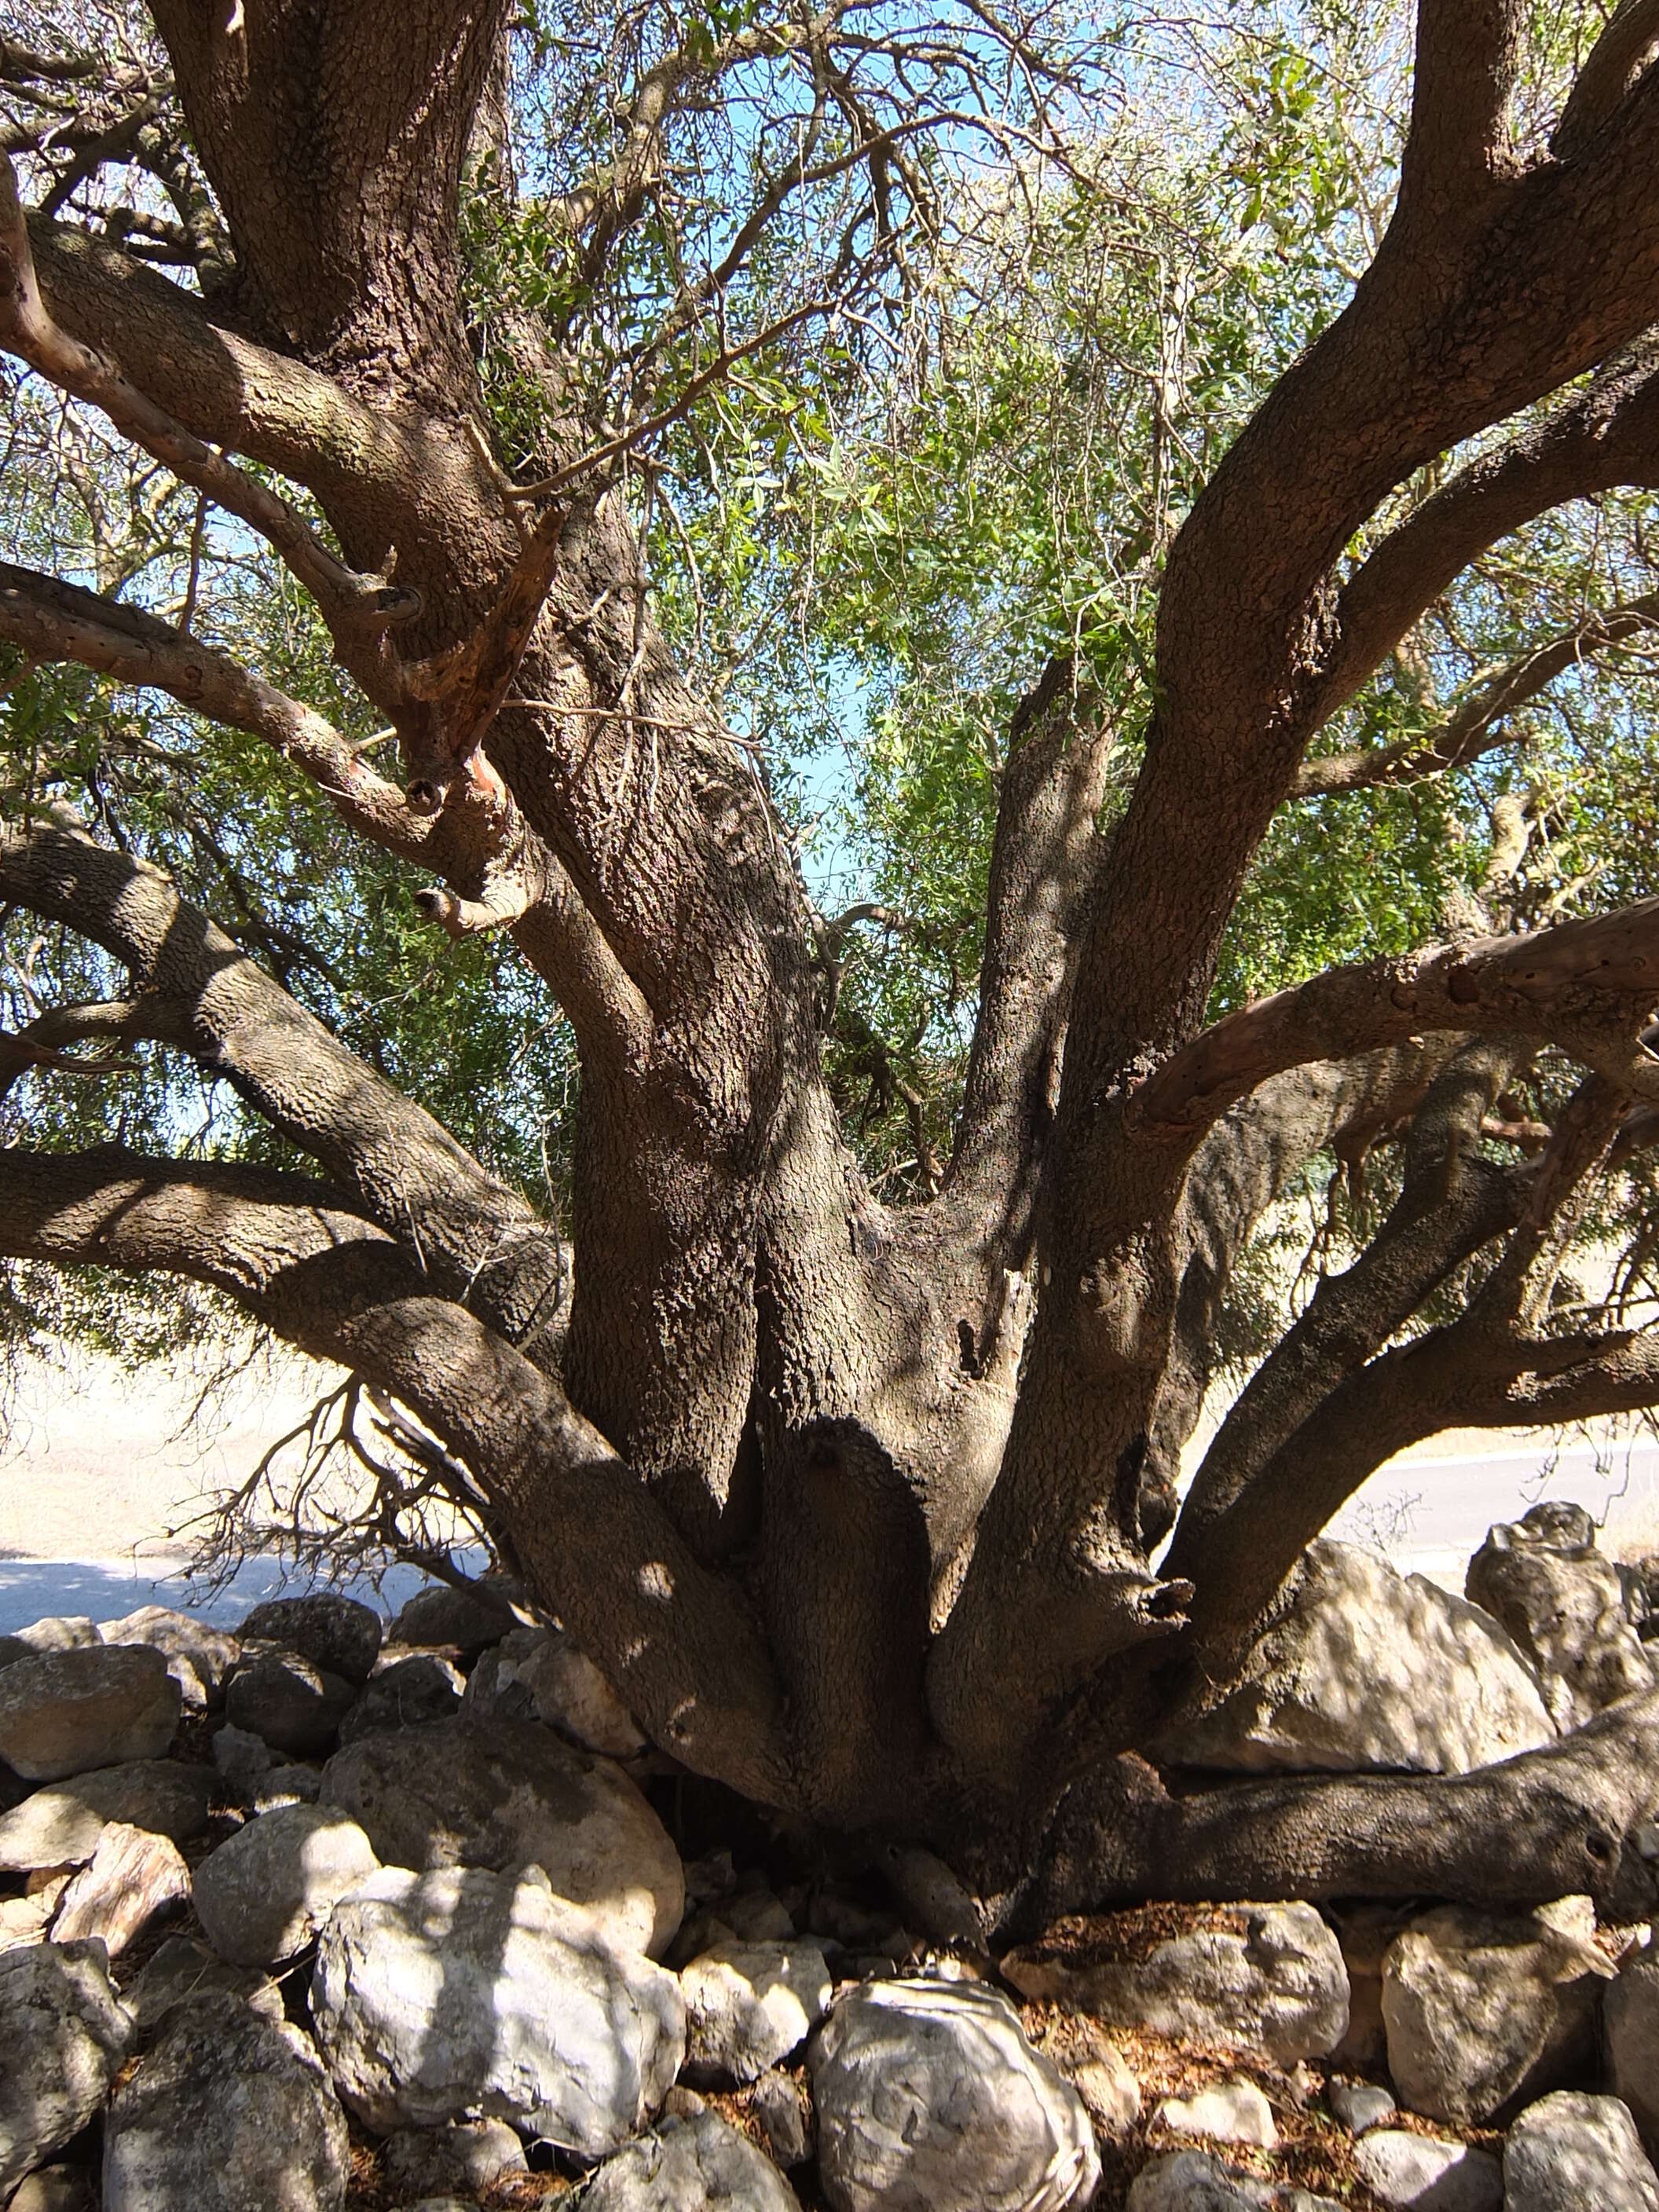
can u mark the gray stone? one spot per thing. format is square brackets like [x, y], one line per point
[64, 2033]
[338, 1635]
[776, 2104]
[238, 1754]
[60, 1825]
[13, 1648]
[701, 2165]
[1427, 2175]
[1361, 2105]
[195, 1653]
[287, 1700]
[130, 1879]
[1569, 2151]
[1563, 1603]
[182, 1971]
[755, 1916]
[1108, 2090]
[57, 2189]
[747, 2005]
[1371, 1671]
[278, 1787]
[461, 1994]
[65, 1712]
[541, 1674]
[228, 2113]
[421, 1688]
[60, 1632]
[1193, 2181]
[1629, 2017]
[471, 2154]
[930, 2099]
[1226, 2111]
[1268, 1977]
[467, 1620]
[1484, 2013]
[496, 1794]
[264, 1894]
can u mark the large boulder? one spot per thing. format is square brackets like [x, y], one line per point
[1421, 2173]
[1196, 2181]
[1629, 2015]
[64, 2033]
[472, 2155]
[60, 1632]
[543, 1675]
[697, 2165]
[747, 2005]
[264, 1894]
[1261, 1977]
[495, 1793]
[182, 1971]
[408, 1693]
[1485, 2012]
[337, 1634]
[198, 1657]
[1563, 1603]
[288, 1701]
[1569, 2151]
[228, 2113]
[1371, 1671]
[462, 1619]
[462, 1994]
[930, 2099]
[65, 1712]
[60, 1825]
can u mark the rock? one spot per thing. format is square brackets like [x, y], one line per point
[747, 2005]
[228, 2113]
[238, 1754]
[60, 1825]
[776, 2102]
[930, 2099]
[755, 1916]
[63, 2032]
[465, 1620]
[337, 1634]
[60, 1632]
[1428, 2175]
[1563, 1603]
[540, 1674]
[183, 1970]
[262, 1895]
[195, 1653]
[57, 2189]
[1267, 1976]
[1629, 2019]
[283, 1698]
[1568, 2152]
[13, 1648]
[701, 2165]
[462, 1993]
[281, 1786]
[129, 1879]
[65, 1712]
[1192, 2181]
[1484, 2012]
[495, 1793]
[1230, 2112]
[474, 2154]
[421, 1688]
[1371, 1671]
[1361, 2105]
[1109, 2092]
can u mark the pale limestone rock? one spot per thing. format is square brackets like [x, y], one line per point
[1569, 2151]
[265, 1891]
[700, 2165]
[65, 1712]
[747, 2005]
[63, 2035]
[1563, 1603]
[59, 1826]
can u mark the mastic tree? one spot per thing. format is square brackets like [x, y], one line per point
[1216, 458]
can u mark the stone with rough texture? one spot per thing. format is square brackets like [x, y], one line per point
[228, 2113]
[1428, 2175]
[183, 1970]
[467, 1620]
[60, 1632]
[424, 2162]
[747, 2005]
[130, 1879]
[65, 1712]
[930, 2099]
[1484, 2013]
[1563, 1603]
[407, 1694]
[1109, 2091]
[1269, 1978]
[1371, 1671]
[1630, 2018]
[701, 2165]
[1227, 2112]
[776, 2102]
[64, 2033]
[463, 1993]
[279, 1786]
[495, 1793]
[1569, 2151]
[1193, 2181]
[57, 2189]
[1361, 2105]
[264, 1894]
[541, 1674]
[60, 1825]
[239, 1754]
[288, 1701]
[194, 1652]
[338, 1635]
[13, 1648]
